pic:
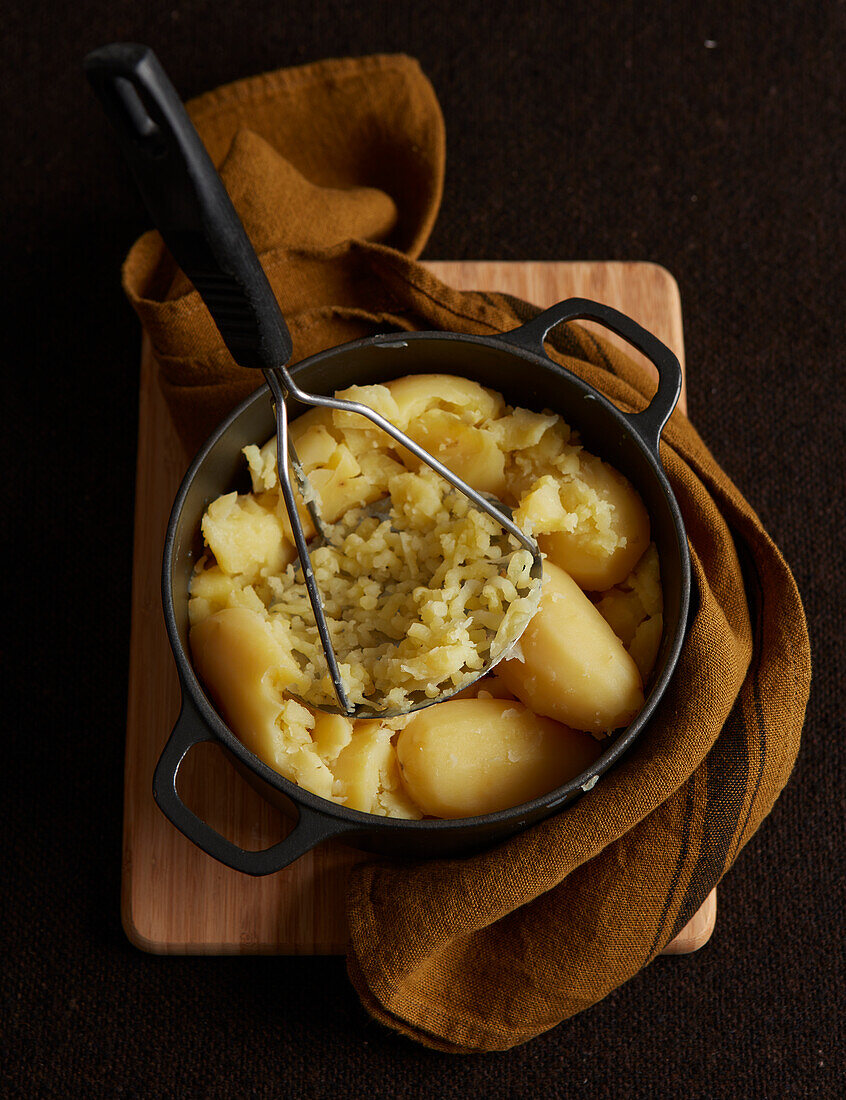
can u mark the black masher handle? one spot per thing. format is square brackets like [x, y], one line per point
[188, 202]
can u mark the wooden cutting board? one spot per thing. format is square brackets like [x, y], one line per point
[175, 898]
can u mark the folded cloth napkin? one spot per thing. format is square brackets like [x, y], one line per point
[336, 170]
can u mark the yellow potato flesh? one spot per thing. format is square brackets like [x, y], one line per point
[622, 612]
[233, 651]
[489, 687]
[339, 486]
[417, 393]
[335, 476]
[634, 610]
[575, 668]
[305, 422]
[340, 479]
[361, 764]
[245, 537]
[467, 451]
[468, 757]
[576, 552]
[332, 733]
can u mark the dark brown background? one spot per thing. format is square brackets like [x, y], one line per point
[705, 137]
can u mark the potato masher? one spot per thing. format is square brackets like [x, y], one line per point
[195, 216]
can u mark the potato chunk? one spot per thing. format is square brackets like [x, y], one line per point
[245, 537]
[417, 393]
[634, 610]
[468, 757]
[469, 452]
[237, 654]
[575, 668]
[594, 561]
[361, 765]
[334, 474]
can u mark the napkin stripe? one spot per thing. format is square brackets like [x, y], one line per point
[681, 859]
[723, 806]
[762, 754]
[723, 809]
[600, 351]
[757, 598]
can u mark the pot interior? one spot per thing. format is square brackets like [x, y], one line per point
[524, 379]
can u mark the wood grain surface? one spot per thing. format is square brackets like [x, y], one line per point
[175, 898]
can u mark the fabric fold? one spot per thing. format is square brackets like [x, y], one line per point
[580, 903]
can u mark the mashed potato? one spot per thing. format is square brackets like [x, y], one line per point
[420, 599]
[416, 602]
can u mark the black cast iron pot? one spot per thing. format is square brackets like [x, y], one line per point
[198, 222]
[516, 365]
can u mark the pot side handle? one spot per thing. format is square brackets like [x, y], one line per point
[310, 830]
[649, 422]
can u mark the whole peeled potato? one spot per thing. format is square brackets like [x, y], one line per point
[575, 668]
[468, 757]
[234, 652]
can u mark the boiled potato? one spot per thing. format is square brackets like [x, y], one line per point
[623, 612]
[467, 757]
[361, 765]
[315, 447]
[339, 485]
[581, 552]
[211, 589]
[332, 733]
[379, 468]
[362, 435]
[334, 473]
[319, 417]
[237, 654]
[245, 537]
[417, 393]
[634, 609]
[489, 687]
[235, 650]
[312, 437]
[378, 398]
[394, 800]
[575, 668]
[541, 509]
[646, 643]
[521, 429]
[469, 452]
[416, 498]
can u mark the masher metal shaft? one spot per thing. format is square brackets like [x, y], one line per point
[287, 489]
[192, 210]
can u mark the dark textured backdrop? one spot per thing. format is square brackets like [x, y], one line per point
[706, 137]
